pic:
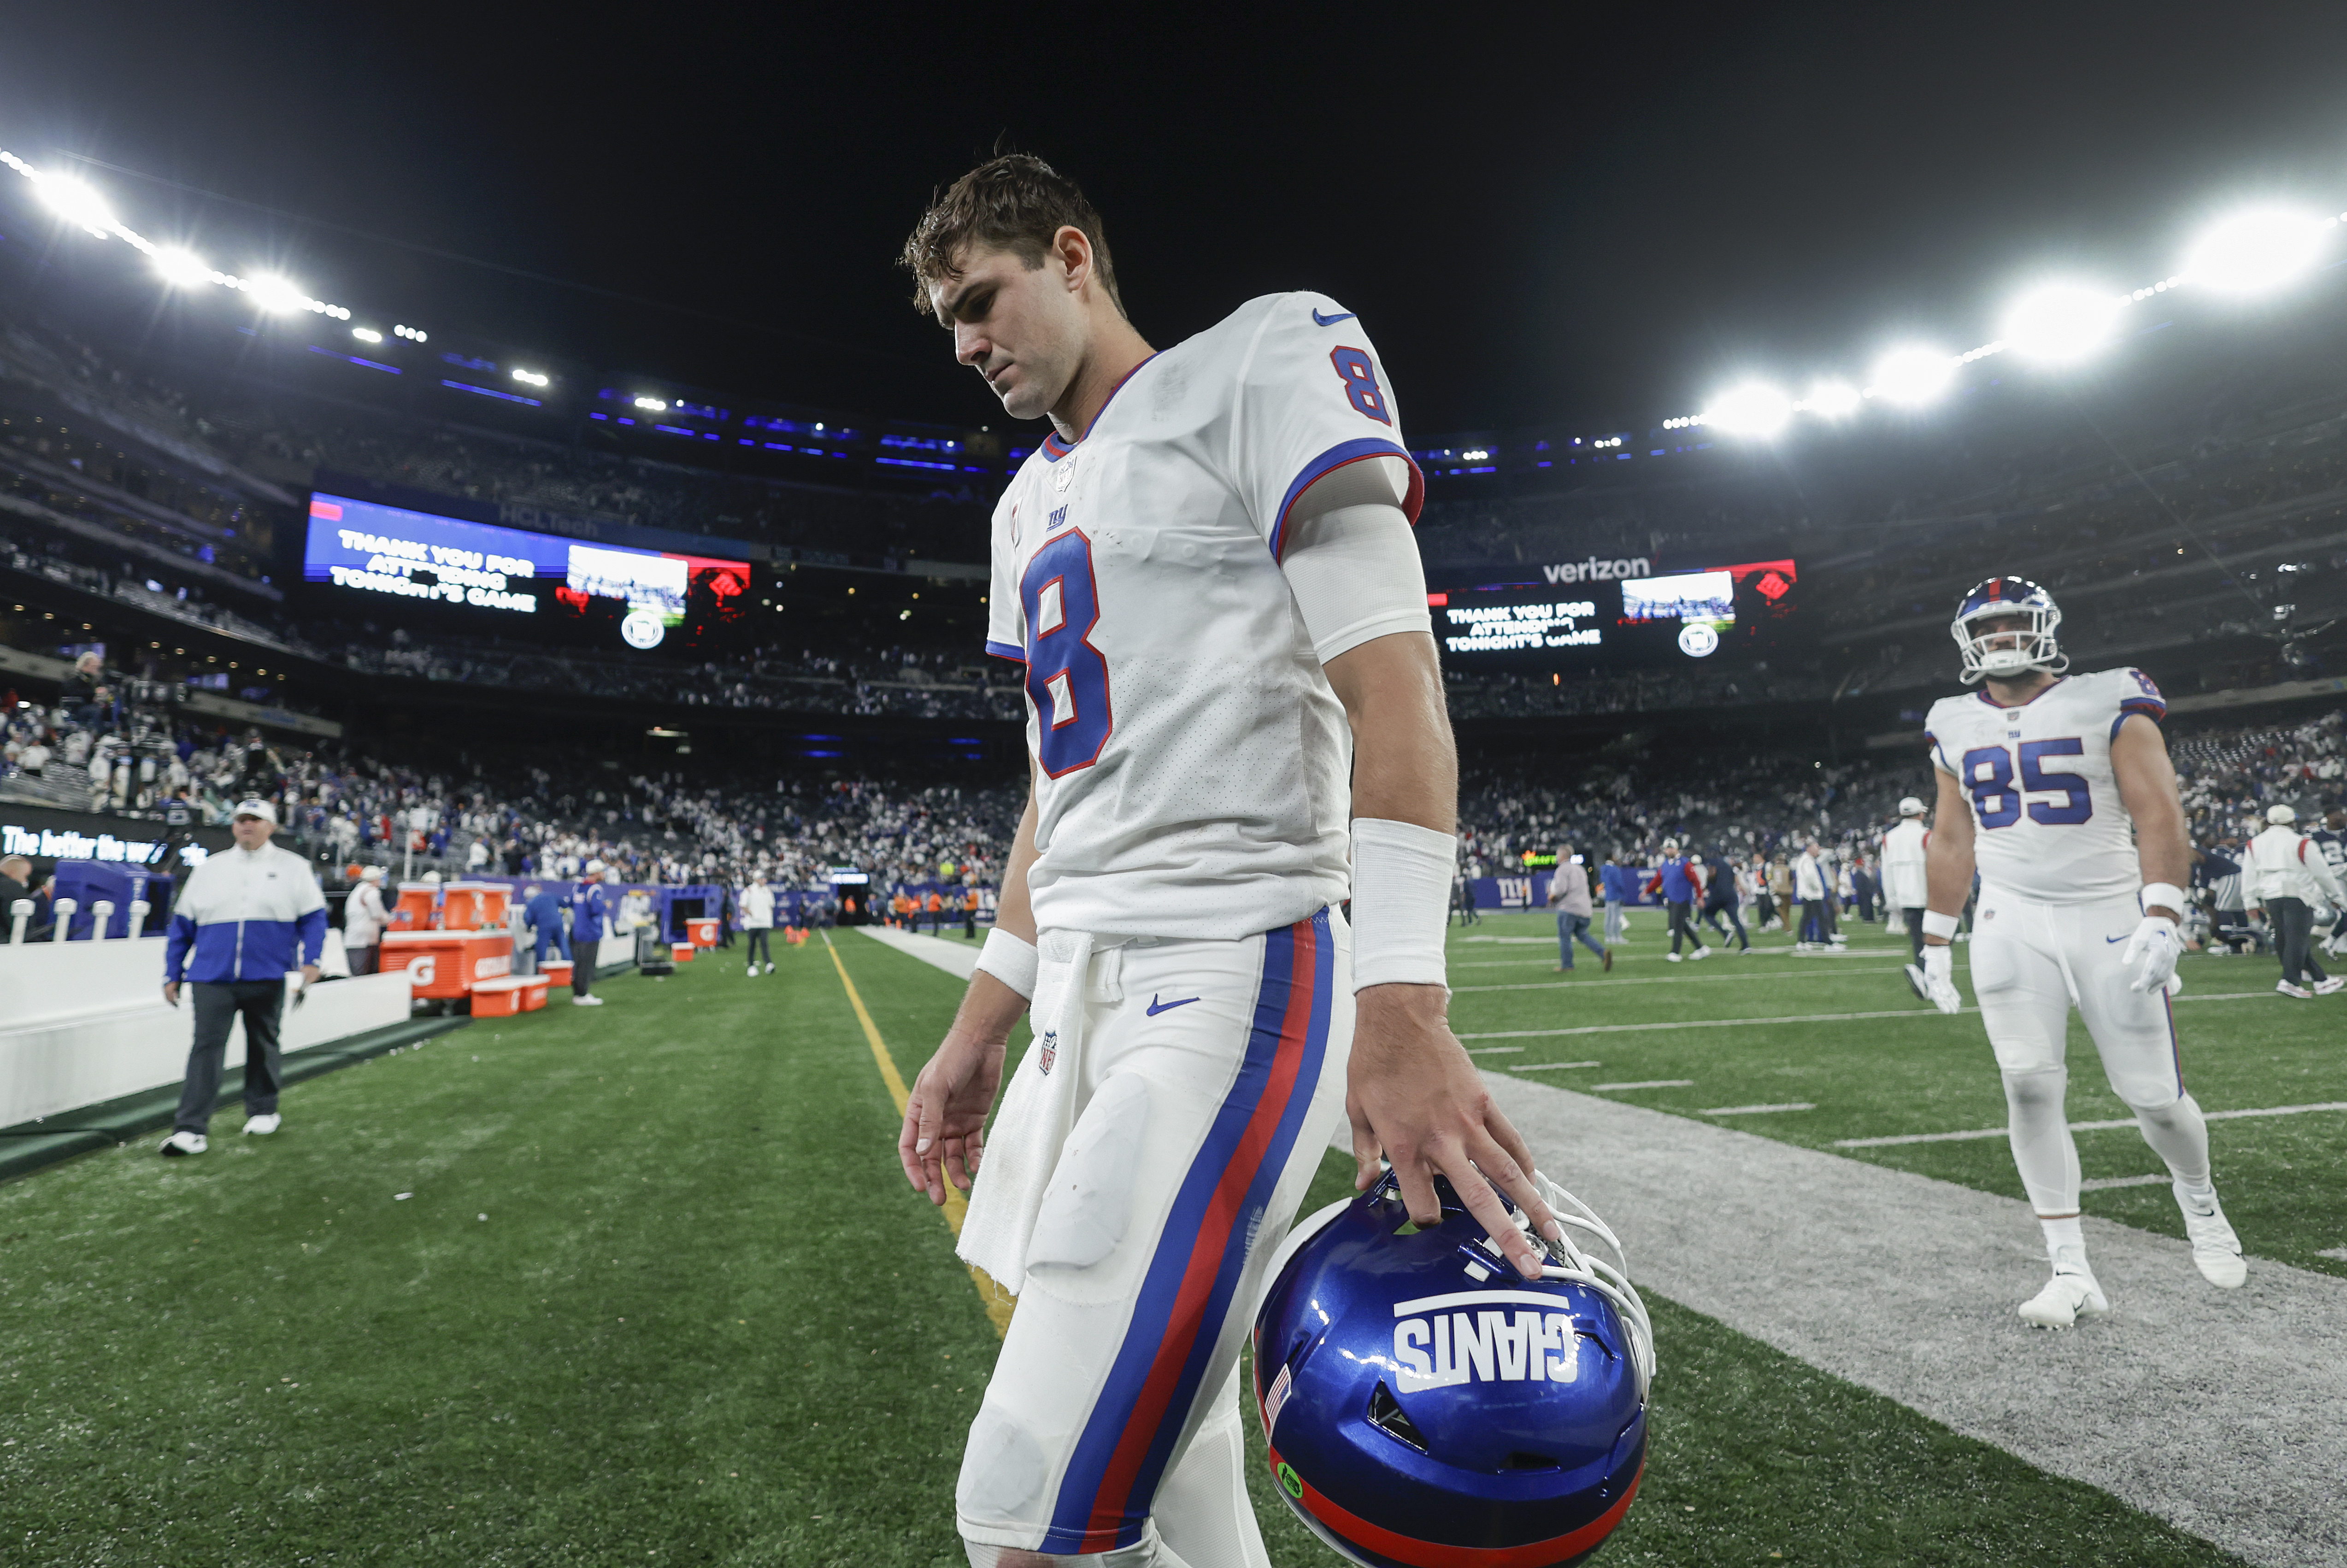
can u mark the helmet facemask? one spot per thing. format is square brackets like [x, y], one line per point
[2008, 653]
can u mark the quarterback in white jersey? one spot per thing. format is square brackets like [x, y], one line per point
[2058, 789]
[1234, 711]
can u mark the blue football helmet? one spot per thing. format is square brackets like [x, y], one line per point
[2014, 652]
[1427, 1405]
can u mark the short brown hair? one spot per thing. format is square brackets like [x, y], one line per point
[1015, 202]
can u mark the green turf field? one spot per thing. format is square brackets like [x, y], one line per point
[659, 1295]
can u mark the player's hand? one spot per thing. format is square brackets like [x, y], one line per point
[171, 992]
[1414, 1096]
[2150, 956]
[944, 1133]
[1940, 978]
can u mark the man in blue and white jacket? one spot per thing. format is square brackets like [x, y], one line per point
[246, 917]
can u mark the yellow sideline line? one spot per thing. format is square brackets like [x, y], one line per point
[999, 1304]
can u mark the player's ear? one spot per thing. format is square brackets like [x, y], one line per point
[1072, 248]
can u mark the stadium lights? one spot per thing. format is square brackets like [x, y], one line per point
[531, 377]
[72, 200]
[275, 294]
[1913, 375]
[366, 334]
[182, 269]
[1832, 399]
[1753, 409]
[2060, 322]
[2255, 250]
[654, 405]
[411, 333]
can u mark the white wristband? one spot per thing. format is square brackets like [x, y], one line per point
[1401, 902]
[1940, 926]
[1009, 960]
[2166, 895]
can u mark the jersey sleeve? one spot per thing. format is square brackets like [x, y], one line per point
[1005, 638]
[1937, 725]
[1314, 406]
[2137, 695]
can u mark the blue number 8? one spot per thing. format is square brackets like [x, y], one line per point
[1360, 379]
[1067, 679]
[1988, 774]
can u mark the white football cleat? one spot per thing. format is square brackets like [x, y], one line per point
[2216, 1250]
[587, 1001]
[2066, 1298]
[185, 1143]
[261, 1126]
[1701, 953]
[770, 966]
[1673, 958]
[2288, 989]
[2324, 988]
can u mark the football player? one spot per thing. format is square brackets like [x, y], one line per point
[1235, 716]
[2058, 789]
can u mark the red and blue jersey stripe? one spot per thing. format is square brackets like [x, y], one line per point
[1186, 1296]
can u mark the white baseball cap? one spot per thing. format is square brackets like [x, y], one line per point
[2274, 814]
[594, 868]
[265, 810]
[1910, 806]
[371, 873]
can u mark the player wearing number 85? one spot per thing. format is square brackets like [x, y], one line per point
[2058, 788]
[1236, 720]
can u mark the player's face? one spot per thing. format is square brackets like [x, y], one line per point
[1020, 328]
[2002, 631]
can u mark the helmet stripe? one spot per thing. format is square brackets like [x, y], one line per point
[1186, 1296]
[1416, 1553]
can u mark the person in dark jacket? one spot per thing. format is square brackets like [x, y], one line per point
[1720, 897]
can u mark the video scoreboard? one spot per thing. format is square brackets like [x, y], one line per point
[1617, 612]
[513, 579]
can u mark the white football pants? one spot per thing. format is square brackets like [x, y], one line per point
[1210, 1077]
[2031, 963]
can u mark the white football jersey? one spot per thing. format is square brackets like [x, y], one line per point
[2044, 798]
[1193, 775]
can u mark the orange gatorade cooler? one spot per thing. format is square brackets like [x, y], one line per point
[469, 905]
[533, 992]
[682, 952]
[446, 965]
[556, 970]
[499, 998]
[703, 932]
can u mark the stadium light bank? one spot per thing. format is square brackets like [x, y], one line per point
[2250, 251]
[82, 206]
[2060, 322]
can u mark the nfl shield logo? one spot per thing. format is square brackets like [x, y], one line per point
[1048, 1052]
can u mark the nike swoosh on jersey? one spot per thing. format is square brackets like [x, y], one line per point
[2108, 940]
[1320, 321]
[1156, 1006]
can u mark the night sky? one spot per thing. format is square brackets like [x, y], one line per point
[1566, 217]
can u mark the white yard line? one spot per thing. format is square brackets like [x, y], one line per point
[1669, 980]
[1759, 1110]
[1917, 1011]
[2076, 1126]
[1648, 1083]
[1549, 1066]
[2218, 1410]
[2111, 1184]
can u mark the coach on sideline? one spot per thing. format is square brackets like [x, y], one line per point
[246, 917]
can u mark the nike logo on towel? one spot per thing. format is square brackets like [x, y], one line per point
[1156, 1006]
[2108, 940]
[1320, 321]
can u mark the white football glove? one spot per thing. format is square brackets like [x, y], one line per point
[1939, 980]
[2150, 956]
